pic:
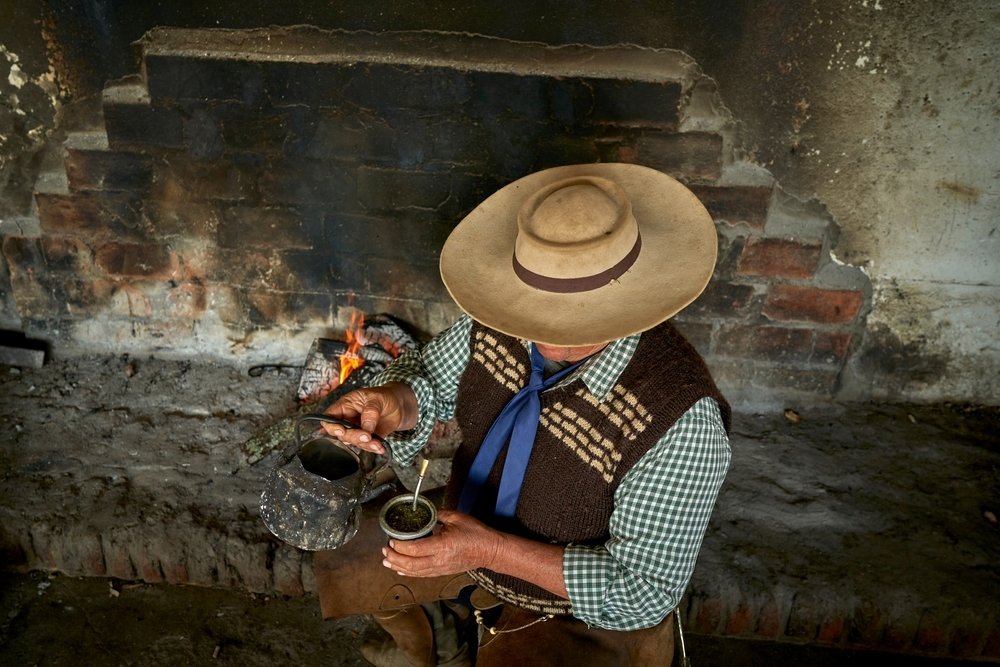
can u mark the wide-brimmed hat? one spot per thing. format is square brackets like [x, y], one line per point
[581, 254]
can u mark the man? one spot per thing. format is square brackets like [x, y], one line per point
[594, 439]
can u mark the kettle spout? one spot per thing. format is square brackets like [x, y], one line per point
[377, 491]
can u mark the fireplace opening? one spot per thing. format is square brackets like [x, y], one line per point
[203, 249]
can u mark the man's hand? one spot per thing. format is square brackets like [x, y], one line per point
[462, 544]
[376, 410]
[465, 543]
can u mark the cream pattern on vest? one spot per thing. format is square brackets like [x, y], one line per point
[582, 438]
[622, 409]
[600, 452]
[541, 605]
[498, 361]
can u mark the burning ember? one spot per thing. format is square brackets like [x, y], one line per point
[350, 359]
[370, 345]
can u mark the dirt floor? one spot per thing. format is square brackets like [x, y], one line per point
[57, 620]
[152, 457]
[52, 621]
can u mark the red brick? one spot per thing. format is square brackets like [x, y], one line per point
[195, 258]
[263, 227]
[130, 301]
[395, 189]
[315, 184]
[43, 542]
[970, 633]
[176, 573]
[34, 301]
[183, 178]
[188, 300]
[147, 563]
[821, 381]
[203, 558]
[247, 564]
[65, 253]
[991, 646]
[160, 557]
[286, 309]
[791, 303]
[779, 258]
[735, 204]
[766, 343]
[116, 557]
[107, 170]
[84, 549]
[86, 297]
[866, 625]
[423, 89]
[108, 215]
[627, 153]
[740, 621]
[287, 572]
[174, 76]
[770, 621]
[405, 279]
[398, 238]
[229, 305]
[803, 619]
[309, 579]
[250, 129]
[136, 260]
[630, 103]
[932, 634]
[24, 257]
[15, 546]
[898, 633]
[240, 267]
[552, 150]
[730, 250]
[75, 551]
[722, 299]
[699, 334]
[831, 631]
[130, 119]
[831, 347]
[171, 213]
[708, 617]
[691, 155]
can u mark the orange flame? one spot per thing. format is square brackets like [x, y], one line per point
[350, 359]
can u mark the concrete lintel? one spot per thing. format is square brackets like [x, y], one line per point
[424, 49]
[21, 357]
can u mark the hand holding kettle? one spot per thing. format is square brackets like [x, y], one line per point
[377, 410]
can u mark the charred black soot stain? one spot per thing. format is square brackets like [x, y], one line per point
[960, 190]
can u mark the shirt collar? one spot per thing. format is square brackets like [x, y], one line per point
[601, 371]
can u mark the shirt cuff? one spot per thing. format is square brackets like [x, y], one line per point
[587, 573]
[405, 445]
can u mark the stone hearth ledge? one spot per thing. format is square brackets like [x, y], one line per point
[858, 526]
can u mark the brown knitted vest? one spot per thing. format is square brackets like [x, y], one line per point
[584, 446]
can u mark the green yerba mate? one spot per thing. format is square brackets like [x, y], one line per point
[405, 519]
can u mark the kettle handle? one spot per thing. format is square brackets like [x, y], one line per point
[346, 424]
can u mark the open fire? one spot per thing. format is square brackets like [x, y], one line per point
[370, 344]
[350, 359]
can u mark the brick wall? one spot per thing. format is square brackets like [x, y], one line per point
[247, 185]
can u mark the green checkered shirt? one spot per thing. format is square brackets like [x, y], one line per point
[662, 505]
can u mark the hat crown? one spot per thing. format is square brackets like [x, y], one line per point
[575, 213]
[580, 230]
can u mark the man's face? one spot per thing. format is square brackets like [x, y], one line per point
[571, 354]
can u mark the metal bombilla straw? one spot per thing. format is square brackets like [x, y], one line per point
[685, 661]
[420, 481]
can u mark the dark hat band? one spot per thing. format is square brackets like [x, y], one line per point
[583, 283]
